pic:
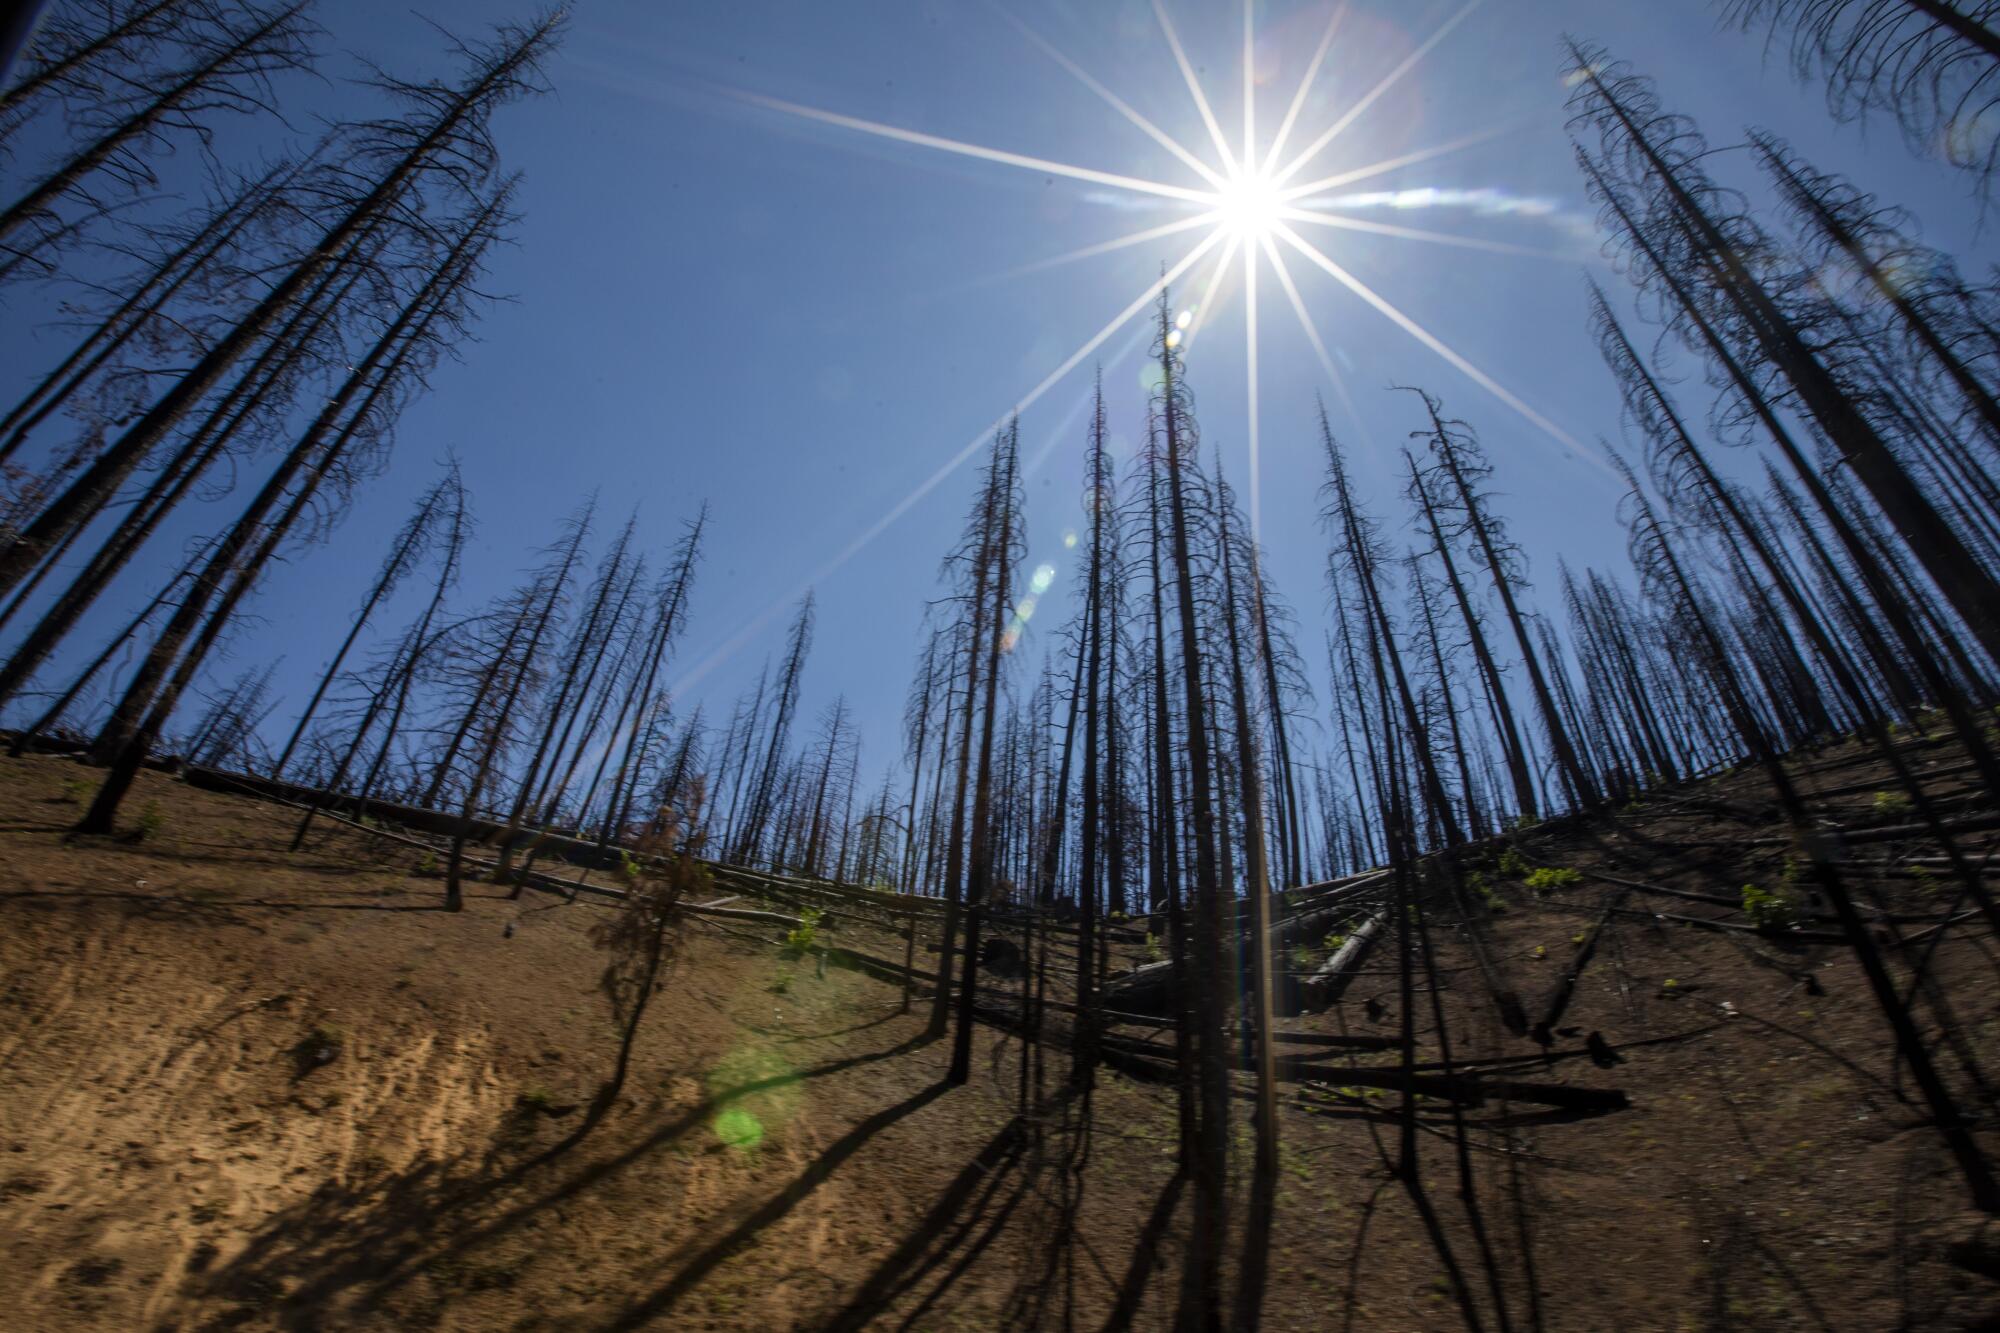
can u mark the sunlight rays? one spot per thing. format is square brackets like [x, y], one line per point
[1207, 303]
[1431, 340]
[1305, 85]
[1396, 229]
[1194, 90]
[729, 647]
[1284, 276]
[1389, 81]
[1249, 206]
[999, 155]
[1116, 243]
[1250, 377]
[1119, 104]
[1244, 204]
[1387, 164]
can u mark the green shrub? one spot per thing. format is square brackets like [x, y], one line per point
[151, 820]
[1512, 864]
[804, 939]
[1543, 878]
[1766, 910]
[628, 869]
[1153, 954]
[427, 865]
[1891, 803]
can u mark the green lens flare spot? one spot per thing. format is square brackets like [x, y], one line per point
[738, 1128]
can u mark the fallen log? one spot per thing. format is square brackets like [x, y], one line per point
[1465, 1089]
[1149, 989]
[1325, 986]
[1474, 1090]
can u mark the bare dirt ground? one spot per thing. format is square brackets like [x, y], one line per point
[244, 1088]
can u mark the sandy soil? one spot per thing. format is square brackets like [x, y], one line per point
[242, 1088]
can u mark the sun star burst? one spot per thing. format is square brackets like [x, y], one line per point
[1242, 202]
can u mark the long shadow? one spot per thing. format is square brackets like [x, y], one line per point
[921, 1251]
[378, 1236]
[704, 1262]
[1059, 1180]
[1023, 1184]
[213, 904]
[842, 1032]
[1145, 1257]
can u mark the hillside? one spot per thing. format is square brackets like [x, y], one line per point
[245, 1088]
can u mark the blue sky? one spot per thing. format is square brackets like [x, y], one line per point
[802, 323]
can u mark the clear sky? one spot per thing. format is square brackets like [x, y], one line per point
[803, 322]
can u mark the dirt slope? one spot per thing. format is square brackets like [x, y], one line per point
[241, 1088]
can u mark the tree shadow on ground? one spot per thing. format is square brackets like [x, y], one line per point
[154, 904]
[696, 1266]
[934, 1238]
[359, 1241]
[1146, 1254]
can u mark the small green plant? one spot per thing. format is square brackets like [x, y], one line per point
[1891, 803]
[1334, 942]
[1541, 951]
[1512, 864]
[74, 790]
[804, 938]
[1925, 878]
[628, 868]
[1669, 984]
[783, 985]
[151, 820]
[427, 865]
[535, 1099]
[1303, 959]
[1152, 946]
[1477, 882]
[1766, 910]
[1543, 878]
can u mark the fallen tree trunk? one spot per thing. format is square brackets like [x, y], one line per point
[1464, 1089]
[1326, 986]
[1149, 989]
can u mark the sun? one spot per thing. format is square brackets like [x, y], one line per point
[1244, 206]
[1251, 205]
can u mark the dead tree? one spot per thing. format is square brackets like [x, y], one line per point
[1002, 510]
[1932, 66]
[390, 696]
[359, 411]
[444, 146]
[413, 543]
[763, 791]
[231, 56]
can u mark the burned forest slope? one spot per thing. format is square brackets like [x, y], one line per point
[244, 1087]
